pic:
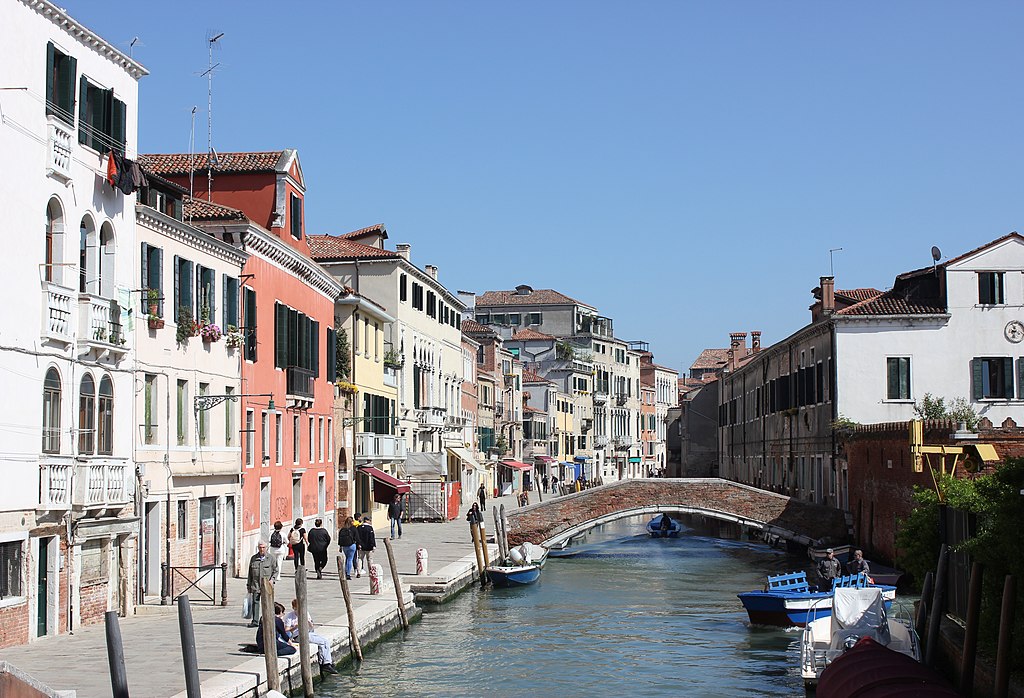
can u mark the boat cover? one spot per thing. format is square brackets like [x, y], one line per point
[869, 670]
[854, 609]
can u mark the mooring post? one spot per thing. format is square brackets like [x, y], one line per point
[303, 613]
[223, 584]
[353, 634]
[483, 545]
[971, 633]
[937, 608]
[115, 656]
[921, 620]
[1003, 660]
[398, 584]
[269, 635]
[497, 532]
[474, 529]
[187, 634]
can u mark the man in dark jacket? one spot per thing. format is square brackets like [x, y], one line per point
[319, 539]
[395, 511]
[366, 542]
[829, 569]
[261, 566]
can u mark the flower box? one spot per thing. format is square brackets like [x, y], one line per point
[155, 322]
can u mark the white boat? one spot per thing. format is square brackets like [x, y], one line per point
[855, 613]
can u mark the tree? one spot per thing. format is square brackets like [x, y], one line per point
[958, 410]
[342, 353]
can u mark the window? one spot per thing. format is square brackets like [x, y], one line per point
[182, 519]
[332, 355]
[94, 561]
[320, 439]
[534, 318]
[296, 439]
[206, 297]
[278, 439]
[183, 288]
[403, 287]
[204, 418]
[431, 304]
[376, 342]
[992, 378]
[312, 434]
[105, 417]
[321, 493]
[51, 412]
[101, 118]
[296, 496]
[264, 439]
[484, 318]
[230, 317]
[898, 371]
[87, 416]
[11, 569]
[60, 84]
[54, 237]
[152, 278]
[417, 296]
[296, 340]
[229, 418]
[296, 216]
[514, 319]
[499, 318]
[250, 425]
[330, 440]
[182, 412]
[990, 288]
[249, 323]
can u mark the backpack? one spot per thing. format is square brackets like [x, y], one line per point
[293, 536]
[275, 539]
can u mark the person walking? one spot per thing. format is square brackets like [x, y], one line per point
[481, 494]
[366, 543]
[554, 484]
[395, 511]
[319, 540]
[474, 515]
[829, 569]
[323, 652]
[347, 543]
[278, 547]
[261, 566]
[297, 539]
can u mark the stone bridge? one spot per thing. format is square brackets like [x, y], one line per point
[560, 518]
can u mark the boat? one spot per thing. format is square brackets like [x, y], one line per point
[881, 574]
[788, 599]
[870, 667]
[855, 614]
[522, 566]
[655, 529]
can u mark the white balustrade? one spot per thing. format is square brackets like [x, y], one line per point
[57, 312]
[380, 446]
[59, 147]
[55, 485]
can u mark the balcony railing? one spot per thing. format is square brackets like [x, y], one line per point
[299, 382]
[454, 421]
[621, 398]
[600, 441]
[99, 321]
[380, 447]
[55, 485]
[623, 441]
[57, 302]
[104, 484]
[96, 485]
[391, 377]
[600, 398]
[58, 157]
[431, 417]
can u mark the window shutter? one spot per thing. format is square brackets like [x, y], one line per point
[892, 371]
[176, 298]
[66, 88]
[979, 386]
[332, 355]
[144, 301]
[50, 87]
[224, 313]
[1007, 378]
[1020, 378]
[118, 123]
[158, 259]
[280, 335]
[314, 344]
[213, 294]
[83, 109]
[186, 287]
[250, 324]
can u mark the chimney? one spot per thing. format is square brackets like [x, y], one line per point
[431, 271]
[828, 295]
[402, 249]
[755, 341]
[523, 290]
[737, 348]
[468, 299]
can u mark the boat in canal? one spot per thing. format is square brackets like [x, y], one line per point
[788, 600]
[855, 613]
[663, 526]
[881, 574]
[522, 566]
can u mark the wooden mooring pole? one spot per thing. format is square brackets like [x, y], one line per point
[483, 545]
[269, 635]
[971, 633]
[1003, 659]
[937, 609]
[353, 634]
[303, 627]
[474, 529]
[115, 656]
[497, 533]
[187, 633]
[921, 621]
[399, 594]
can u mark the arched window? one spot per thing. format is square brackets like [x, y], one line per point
[86, 255]
[87, 416]
[105, 417]
[105, 262]
[51, 412]
[54, 241]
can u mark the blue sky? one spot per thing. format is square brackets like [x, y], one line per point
[683, 166]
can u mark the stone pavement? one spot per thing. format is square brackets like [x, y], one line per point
[151, 643]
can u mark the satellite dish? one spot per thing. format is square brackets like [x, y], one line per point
[936, 253]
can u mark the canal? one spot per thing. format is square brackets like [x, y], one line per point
[630, 615]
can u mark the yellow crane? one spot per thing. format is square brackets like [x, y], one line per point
[974, 454]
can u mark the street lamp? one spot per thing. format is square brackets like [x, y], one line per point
[202, 403]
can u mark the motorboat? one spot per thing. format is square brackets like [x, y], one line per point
[663, 526]
[881, 574]
[870, 668]
[856, 613]
[522, 566]
[788, 599]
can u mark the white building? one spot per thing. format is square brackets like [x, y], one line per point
[67, 509]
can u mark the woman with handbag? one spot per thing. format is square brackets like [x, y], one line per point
[347, 543]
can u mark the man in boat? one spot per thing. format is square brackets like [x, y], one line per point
[666, 522]
[829, 568]
[858, 564]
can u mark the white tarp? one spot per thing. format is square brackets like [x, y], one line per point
[859, 609]
[424, 466]
[466, 457]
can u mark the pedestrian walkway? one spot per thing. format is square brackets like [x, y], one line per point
[152, 646]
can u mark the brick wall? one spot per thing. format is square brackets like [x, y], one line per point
[14, 625]
[93, 602]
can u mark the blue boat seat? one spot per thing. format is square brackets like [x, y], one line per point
[852, 581]
[792, 581]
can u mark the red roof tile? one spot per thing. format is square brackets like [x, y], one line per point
[200, 209]
[325, 248]
[539, 296]
[363, 232]
[526, 333]
[894, 303]
[527, 408]
[711, 358]
[859, 294]
[183, 163]
[530, 376]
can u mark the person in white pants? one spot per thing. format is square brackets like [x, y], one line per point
[323, 647]
[278, 547]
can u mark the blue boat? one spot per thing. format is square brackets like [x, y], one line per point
[512, 576]
[656, 529]
[788, 599]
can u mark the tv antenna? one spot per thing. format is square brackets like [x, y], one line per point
[211, 42]
[192, 160]
[131, 46]
[831, 263]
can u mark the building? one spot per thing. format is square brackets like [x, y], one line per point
[188, 363]
[664, 381]
[287, 305]
[68, 508]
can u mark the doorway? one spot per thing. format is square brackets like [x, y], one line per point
[152, 548]
[208, 531]
[265, 510]
[47, 579]
[231, 552]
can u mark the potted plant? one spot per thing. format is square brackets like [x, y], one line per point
[155, 321]
[210, 332]
[233, 338]
[346, 387]
[187, 326]
[153, 298]
[392, 359]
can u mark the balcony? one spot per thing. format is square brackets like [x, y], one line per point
[431, 418]
[510, 380]
[57, 301]
[58, 155]
[600, 399]
[454, 422]
[623, 442]
[586, 424]
[299, 384]
[621, 398]
[600, 441]
[383, 447]
[390, 376]
[95, 485]
[55, 485]
[99, 326]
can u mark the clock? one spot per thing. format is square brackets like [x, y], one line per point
[1014, 331]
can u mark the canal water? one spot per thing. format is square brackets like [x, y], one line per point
[630, 615]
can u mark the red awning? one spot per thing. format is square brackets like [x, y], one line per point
[545, 459]
[516, 465]
[382, 478]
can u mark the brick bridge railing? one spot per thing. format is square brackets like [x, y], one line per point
[560, 518]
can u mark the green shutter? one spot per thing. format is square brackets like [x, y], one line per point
[66, 87]
[118, 123]
[1020, 379]
[332, 356]
[250, 324]
[176, 297]
[144, 300]
[978, 383]
[186, 287]
[158, 255]
[280, 335]
[1007, 378]
[50, 87]
[314, 344]
[83, 110]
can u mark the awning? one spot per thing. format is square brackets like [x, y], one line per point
[424, 466]
[466, 457]
[516, 465]
[382, 478]
[545, 459]
[580, 459]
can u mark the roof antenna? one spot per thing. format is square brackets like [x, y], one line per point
[131, 46]
[831, 264]
[936, 256]
[192, 161]
[211, 41]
